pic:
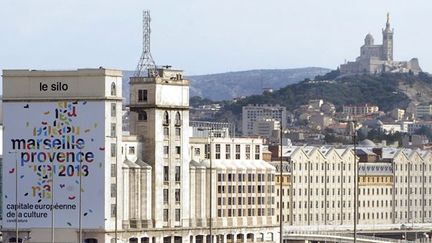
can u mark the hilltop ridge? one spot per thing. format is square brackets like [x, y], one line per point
[229, 85]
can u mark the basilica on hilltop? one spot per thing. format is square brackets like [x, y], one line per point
[379, 58]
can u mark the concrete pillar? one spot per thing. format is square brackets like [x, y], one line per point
[205, 239]
[224, 238]
[234, 238]
[192, 239]
[253, 237]
[159, 239]
[245, 237]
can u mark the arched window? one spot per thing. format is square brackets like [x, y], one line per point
[166, 119]
[113, 89]
[178, 119]
[142, 116]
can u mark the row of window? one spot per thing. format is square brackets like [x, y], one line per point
[413, 179]
[166, 196]
[326, 167]
[242, 177]
[166, 215]
[242, 212]
[248, 154]
[242, 189]
[131, 150]
[142, 116]
[166, 174]
[421, 167]
[327, 179]
[166, 131]
[166, 150]
[242, 201]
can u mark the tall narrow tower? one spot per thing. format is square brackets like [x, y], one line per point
[387, 50]
[146, 66]
[159, 105]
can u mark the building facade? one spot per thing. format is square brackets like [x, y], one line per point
[393, 185]
[61, 154]
[256, 113]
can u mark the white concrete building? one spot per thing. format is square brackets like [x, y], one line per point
[254, 113]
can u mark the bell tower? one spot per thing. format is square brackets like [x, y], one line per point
[387, 48]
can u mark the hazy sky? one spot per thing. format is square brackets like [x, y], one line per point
[206, 36]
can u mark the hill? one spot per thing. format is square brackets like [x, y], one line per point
[388, 91]
[225, 86]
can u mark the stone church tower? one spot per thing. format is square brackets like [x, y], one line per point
[387, 47]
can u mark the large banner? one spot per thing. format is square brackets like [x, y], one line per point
[52, 150]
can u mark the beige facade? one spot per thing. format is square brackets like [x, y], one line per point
[393, 184]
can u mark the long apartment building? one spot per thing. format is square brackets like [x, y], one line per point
[394, 186]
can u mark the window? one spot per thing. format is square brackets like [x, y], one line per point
[257, 152]
[131, 150]
[165, 196]
[177, 195]
[166, 119]
[113, 210]
[207, 151]
[248, 152]
[227, 151]
[178, 150]
[142, 95]
[113, 89]
[177, 214]
[113, 190]
[166, 150]
[218, 151]
[177, 173]
[197, 151]
[165, 215]
[177, 131]
[113, 170]
[166, 173]
[177, 119]
[142, 116]
[113, 109]
[113, 129]
[113, 150]
[166, 131]
[237, 151]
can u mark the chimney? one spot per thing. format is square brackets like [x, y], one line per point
[378, 152]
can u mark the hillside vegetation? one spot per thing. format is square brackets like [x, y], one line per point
[384, 90]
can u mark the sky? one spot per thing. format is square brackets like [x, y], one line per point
[207, 36]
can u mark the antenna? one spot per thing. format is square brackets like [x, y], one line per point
[146, 62]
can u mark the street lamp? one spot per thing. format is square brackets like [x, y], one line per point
[52, 197]
[210, 136]
[280, 183]
[80, 196]
[16, 194]
[209, 154]
[355, 180]
[116, 182]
